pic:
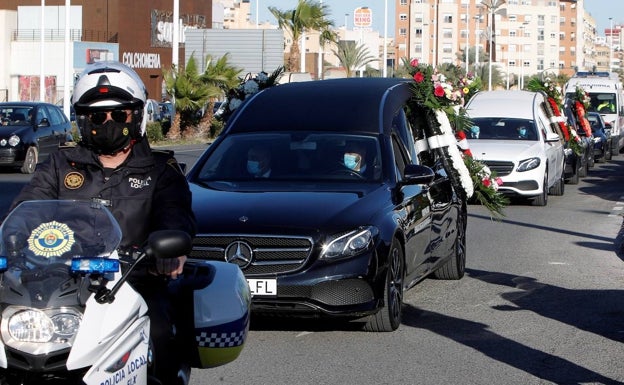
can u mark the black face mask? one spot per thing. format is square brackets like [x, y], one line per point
[108, 138]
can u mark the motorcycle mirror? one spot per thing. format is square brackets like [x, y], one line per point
[168, 244]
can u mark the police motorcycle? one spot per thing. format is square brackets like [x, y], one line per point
[69, 315]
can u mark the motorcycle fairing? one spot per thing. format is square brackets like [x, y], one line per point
[134, 340]
[103, 324]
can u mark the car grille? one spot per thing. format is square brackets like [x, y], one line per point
[268, 254]
[501, 168]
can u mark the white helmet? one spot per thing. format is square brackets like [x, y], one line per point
[110, 84]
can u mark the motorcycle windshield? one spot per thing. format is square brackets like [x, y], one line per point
[46, 232]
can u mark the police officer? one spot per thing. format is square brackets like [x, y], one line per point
[114, 165]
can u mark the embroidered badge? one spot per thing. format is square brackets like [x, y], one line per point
[51, 239]
[73, 180]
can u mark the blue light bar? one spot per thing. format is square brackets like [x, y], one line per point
[94, 265]
[3, 263]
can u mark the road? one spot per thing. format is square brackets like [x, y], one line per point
[541, 303]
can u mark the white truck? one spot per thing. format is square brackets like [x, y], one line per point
[607, 98]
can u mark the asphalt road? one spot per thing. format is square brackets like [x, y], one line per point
[541, 303]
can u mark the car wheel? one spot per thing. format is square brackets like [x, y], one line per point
[388, 318]
[582, 172]
[559, 188]
[455, 267]
[542, 199]
[30, 160]
[591, 160]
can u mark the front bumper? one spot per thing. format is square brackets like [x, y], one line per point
[350, 286]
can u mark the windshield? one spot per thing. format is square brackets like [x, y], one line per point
[47, 232]
[15, 115]
[603, 103]
[502, 129]
[293, 156]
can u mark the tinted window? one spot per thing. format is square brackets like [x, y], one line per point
[300, 156]
[56, 116]
[502, 128]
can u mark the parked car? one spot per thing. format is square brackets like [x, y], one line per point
[577, 162]
[167, 114]
[312, 235]
[512, 135]
[30, 131]
[602, 137]
[152, 108]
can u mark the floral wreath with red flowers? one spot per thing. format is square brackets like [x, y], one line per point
[581, 104]
[440, 102]
[558, 121]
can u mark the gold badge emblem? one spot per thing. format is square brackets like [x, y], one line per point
[51, 239]
[74, 180]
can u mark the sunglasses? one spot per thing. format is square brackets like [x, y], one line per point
[99, 117]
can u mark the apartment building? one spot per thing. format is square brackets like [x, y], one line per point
[523, 37]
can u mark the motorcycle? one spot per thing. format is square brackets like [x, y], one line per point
[69, 314]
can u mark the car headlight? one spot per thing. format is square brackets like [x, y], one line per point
[14, 140]
[528, 164]
[597, 139]
[39, 331]
[348, 245]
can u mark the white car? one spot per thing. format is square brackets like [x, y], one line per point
[512, 134]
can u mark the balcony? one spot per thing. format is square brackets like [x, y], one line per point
[59, 35]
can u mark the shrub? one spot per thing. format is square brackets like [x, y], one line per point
[154, 132]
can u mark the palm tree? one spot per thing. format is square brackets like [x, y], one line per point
[219, 77]
[352, 56]
[189, 95]
[309, 15]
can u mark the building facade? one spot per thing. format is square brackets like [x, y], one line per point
[527, 37]
[138, 33]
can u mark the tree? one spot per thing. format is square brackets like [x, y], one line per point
[219, 77]
[189, 95]
[352, 56]
[309, 15]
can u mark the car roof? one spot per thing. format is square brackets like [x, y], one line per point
[24, 104]
[503, 103]
[365, 105]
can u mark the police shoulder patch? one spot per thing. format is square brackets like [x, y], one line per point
[73, 180]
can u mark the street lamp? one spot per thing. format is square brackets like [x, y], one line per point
[521, 80]
[610, 44]
[467, 39]
[477, 40]
[492, 6]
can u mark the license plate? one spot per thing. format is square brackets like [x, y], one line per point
[265, 287]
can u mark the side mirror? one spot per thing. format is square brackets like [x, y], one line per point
[552, 137]
[169, 243]
[417, 174]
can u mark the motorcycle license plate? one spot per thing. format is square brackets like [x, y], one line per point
[263, 287]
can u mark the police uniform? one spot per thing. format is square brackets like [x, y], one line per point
[147, 192]
[148, 186]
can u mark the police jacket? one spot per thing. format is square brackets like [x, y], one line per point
[146, 193]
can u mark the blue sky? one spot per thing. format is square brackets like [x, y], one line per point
[338, 9]
[601, 10]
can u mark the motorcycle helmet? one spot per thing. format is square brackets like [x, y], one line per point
[101, 94]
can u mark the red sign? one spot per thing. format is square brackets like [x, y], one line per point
[362, 17]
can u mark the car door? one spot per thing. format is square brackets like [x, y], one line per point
[414, 216]
[61, 128]
[553, 149]
[43, 131]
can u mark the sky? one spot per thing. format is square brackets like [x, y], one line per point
[601, 10]
[337, 8]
